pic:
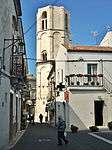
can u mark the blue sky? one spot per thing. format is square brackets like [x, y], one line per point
[87, 17]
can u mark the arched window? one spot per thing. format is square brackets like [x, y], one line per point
[44, 56]
[44, 20]
[44, 14]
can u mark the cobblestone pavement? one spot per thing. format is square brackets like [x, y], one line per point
[45, 137]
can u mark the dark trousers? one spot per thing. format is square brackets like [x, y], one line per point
[61, 137]
[40, 120]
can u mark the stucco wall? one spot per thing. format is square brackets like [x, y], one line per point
[7, 9]
[4, 111]
[41, 90]
[107, 40]
[81, 108]
[81, 103]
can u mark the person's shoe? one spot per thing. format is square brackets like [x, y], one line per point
[66, 142]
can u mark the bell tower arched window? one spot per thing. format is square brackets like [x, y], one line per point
[44, 20]
[44, 56]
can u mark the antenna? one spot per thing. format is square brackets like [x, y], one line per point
[108, 27]
[94, 34]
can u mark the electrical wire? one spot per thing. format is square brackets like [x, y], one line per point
[30, 28]
[54, 3]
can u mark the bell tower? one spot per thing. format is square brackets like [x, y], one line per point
[53, 29]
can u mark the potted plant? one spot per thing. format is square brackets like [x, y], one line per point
[86, 83]
[100, 75]
[110, 125]
[87, 75]
[72, 83]
[97, 83]
[92, 83]
[78, 83]
[79, 75]
[94, 128]
[93, 75]
[74, 129]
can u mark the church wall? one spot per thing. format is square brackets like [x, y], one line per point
[50, 35]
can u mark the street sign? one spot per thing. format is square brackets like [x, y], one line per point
[66, 96]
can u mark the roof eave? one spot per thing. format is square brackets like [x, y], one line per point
[17, 5]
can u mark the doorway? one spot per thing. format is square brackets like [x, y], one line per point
[98, 109]
[16, 114]
[11, 118]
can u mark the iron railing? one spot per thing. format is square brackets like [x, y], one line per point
[107, 84]
[84, 80]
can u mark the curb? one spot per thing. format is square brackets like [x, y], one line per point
[20, 134]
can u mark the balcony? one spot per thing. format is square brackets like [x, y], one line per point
[91, 81]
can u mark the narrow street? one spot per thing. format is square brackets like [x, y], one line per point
[44, 137]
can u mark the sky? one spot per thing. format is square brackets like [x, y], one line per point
[86, 18]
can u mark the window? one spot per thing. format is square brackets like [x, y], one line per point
[58, 77]
[14, 23]
[92, 70]
[66, 22]
[5, 97]
[62, 75]
[44, 20]
[42, 24]
[44, 56]
[0, 62]
[44, 15]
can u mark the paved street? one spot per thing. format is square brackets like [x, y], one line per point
[44, 137]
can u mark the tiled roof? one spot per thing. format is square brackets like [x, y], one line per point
[73, 48]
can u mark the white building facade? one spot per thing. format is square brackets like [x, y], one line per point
[107, 39]
[86, 73]
[10, 97]
[52, 31]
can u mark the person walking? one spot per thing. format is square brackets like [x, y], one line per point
[61, 129]
[41, 118]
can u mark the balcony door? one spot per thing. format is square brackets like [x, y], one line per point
[92, 70]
